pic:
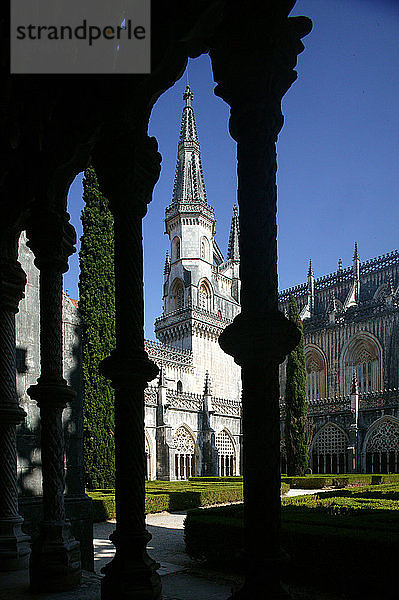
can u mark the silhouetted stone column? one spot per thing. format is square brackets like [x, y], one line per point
[263, 55]
[127, 179]
[14, 544]
[55, 560]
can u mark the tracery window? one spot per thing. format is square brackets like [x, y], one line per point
[177, 295]
[382, 448]
[316, 376]
[179, 387]
[204, 296]
[226, 454]
[364, 357]
[184, 457]
[329, 450]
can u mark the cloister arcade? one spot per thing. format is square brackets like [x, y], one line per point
[66, 124]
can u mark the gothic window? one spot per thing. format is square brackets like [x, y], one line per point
[177, 295]
[183, 442]
[226, 454]
[329, 450]
[176, 248]
[382, 448]
[316, 374]
[204, 296]
[204, 249]
[179, 387]
[363, 356]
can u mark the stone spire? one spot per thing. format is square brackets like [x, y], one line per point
[233, 251]
[189, 180]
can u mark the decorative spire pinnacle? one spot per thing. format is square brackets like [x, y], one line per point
[355, 387]
[207, 386]
[189, 183]
[162, 379]
[356, 253]
[310, 271]
[166, 269]
[233, 250]
[340, 264]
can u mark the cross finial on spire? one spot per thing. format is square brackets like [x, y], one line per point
[355, 253]
[310, 271]
[188, 95]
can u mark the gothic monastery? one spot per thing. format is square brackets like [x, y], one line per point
[192, 410]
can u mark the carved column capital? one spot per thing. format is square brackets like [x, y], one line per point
[253, 61]
[52, 239]
[128, 173]
[136, 369]
[252, 337]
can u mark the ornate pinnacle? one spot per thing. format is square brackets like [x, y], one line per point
[233, 251]
[310, 271]
[355, 388]
[166, 270]
[207, 386]
[161, 379]
[355, 253]
[340, 264]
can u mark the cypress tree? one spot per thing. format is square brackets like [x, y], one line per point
[97, 307]
[296, 423]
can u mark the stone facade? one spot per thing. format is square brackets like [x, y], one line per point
[351, 331]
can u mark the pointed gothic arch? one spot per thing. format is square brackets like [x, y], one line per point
[184, 443]
[176, 248]
[363, 354]
[380, 452]
[329, 450]
[149, 457]
[177, 295]
[316, 372]
[205, 295]
[205, 249]
[225, 446]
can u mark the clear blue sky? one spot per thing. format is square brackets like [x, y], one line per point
[338, 152]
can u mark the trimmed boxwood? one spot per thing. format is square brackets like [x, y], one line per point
[351, 541]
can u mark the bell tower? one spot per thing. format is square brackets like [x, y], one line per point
[201, 288]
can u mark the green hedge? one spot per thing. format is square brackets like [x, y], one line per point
[349, 541]
[318, 482]
[171, 496]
